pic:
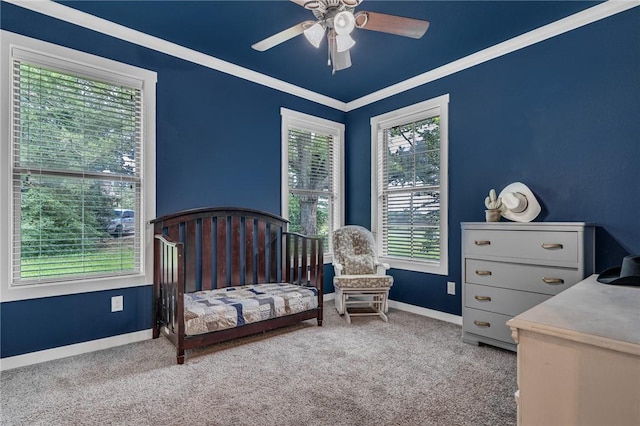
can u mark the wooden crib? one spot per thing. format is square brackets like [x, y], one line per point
[225, 273]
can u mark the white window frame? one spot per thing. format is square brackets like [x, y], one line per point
[85, 64]
[303, 121]
[434, 107]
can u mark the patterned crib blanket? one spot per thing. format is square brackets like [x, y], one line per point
[212, 310]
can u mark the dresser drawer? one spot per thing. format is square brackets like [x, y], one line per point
[530, 245]
[500, 300]
[537, 279]
[508, 268]
[487, 324]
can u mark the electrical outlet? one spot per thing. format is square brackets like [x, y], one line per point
[451, 287]
[117, 303]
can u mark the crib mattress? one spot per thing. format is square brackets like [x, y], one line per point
[212, 310]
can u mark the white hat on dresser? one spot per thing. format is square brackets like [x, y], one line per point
[519, 203]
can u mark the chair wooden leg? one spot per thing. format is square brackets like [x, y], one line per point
[379, 302]
[376, 299]
[339, 301]
[345, 310]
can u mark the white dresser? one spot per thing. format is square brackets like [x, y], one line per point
[509, 267]
[579, 357]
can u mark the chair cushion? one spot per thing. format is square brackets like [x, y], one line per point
[363, 281]
[359, 264]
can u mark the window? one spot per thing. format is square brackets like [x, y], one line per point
[409, 191]
[312, 175]
[77, 157]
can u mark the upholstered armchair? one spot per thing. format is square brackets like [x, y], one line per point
[360, 280]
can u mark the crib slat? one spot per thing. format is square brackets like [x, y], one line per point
[235, 251]
[286, 265]
[261, 251]
[191, 254]
[221, 252]
[206, 254]
[303, 267]
[313, 273]
[296, 265]
[249, 275]
[273, 253]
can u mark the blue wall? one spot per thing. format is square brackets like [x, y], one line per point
[39, 324]
[562, 116]
[218, 143]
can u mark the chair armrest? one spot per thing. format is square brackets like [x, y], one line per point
[381, 268]
[337, 269]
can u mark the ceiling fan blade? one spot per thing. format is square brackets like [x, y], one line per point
[282, 36]
[398, 25]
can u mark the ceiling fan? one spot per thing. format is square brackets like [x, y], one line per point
[337, 19]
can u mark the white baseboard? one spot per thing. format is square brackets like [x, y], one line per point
[76, 349]
[123, 339]
[442, 316]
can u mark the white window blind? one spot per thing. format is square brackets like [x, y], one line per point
[410, 191]
[409, 200]
[310, 182]
[76, 157]
[312, 155]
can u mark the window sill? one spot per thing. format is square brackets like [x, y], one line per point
[412, 265]
[37, 291]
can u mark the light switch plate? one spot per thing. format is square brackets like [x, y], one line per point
[117, 303]
[451, 287]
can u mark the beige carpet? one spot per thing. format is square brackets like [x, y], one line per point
[410, 371]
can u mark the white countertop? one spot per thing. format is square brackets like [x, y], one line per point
[590, 312]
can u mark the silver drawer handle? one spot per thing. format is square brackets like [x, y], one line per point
[552, 280]
[483, 298]
[483, 273]
[551, 246]
[483, 243]
[482, 323]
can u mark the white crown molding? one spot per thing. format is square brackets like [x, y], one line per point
[577, 20]
[82, 19]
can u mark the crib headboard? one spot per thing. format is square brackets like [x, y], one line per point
[229, 246]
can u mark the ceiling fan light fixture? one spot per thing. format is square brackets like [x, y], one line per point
[339, 60]
[344, 42]
[315, 34]
[344, 22]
